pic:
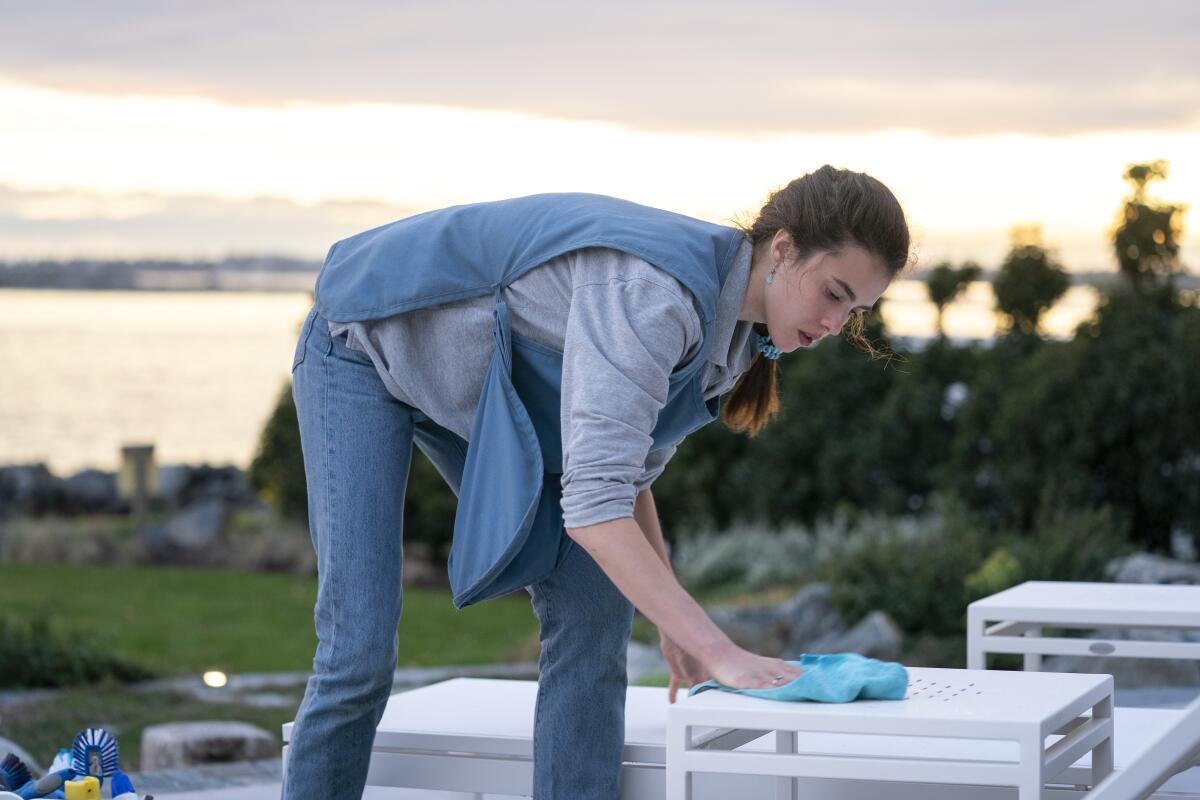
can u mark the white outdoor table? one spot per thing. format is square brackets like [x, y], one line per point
[1011, 621]
[932, 736]
[474, 738]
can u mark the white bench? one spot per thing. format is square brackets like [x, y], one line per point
[475, 736]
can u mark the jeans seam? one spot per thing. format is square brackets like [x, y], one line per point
[549, 653]
[330, 492]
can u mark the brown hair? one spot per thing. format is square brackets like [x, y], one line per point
[823, 211]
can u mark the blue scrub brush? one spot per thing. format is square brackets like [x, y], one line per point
[95, 753]
[13, 773]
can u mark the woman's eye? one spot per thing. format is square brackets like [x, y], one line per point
[831, 295]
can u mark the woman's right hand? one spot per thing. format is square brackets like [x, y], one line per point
[740, 669]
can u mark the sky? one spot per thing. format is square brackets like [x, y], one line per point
[192, 130]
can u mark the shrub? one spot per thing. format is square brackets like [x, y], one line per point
[33, 655]
[914, 569]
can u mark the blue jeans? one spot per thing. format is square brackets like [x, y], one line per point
[357, 441]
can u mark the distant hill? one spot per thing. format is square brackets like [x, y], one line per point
[266, 273]
[248, 273]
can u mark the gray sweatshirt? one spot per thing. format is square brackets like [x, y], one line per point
[622, 325]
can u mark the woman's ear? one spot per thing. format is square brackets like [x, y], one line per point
[781, 247]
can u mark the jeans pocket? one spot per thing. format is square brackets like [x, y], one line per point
[302, 341]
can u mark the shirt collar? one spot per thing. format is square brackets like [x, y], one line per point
[729, 304]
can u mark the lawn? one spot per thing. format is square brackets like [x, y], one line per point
[176, 620]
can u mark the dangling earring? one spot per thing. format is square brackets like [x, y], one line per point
[771, 277]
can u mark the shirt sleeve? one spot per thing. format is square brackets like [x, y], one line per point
[656, 462]
[624, 336]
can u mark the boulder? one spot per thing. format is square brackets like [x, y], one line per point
[875, 636]
[193, 536]
[181, 486]
[1152, 568]
[805, 622]
[644, 659]
[30, 489]
[92, 490]
[178, 744]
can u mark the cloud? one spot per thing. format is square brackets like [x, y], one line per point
[945, 67]
[66, 224]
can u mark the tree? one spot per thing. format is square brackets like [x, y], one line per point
[1028, 282]
[944, 283]
[1146, 236]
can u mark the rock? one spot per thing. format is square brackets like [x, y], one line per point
[875, 636]
[1152, 568]
[183, 486]
[8, 746]
[195, 535]
[644, 659]
[177, 744]
[1183, 545]
[171, 482]
[92, 490]
[29, 489]
[774, 630]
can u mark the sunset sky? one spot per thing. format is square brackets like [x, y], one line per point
[204, 129]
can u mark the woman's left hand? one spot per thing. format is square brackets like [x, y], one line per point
[684, 668]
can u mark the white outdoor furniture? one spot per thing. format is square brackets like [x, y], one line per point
[472, 736]
[964, 727]
[1011, 621]
[1176, 746]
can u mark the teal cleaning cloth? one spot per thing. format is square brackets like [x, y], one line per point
[836, 678]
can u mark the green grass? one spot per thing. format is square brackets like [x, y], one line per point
[176, 620]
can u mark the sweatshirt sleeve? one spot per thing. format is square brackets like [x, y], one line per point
[656, 462]
[625, 333]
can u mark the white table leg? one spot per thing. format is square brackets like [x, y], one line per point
[1102, 754]
[678, 781]
[1031, 785]
[976, 658]
[786, 788]
[1033, 661]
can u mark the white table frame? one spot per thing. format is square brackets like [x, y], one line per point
[1021, 709]
[473, 737]
[1012, 621]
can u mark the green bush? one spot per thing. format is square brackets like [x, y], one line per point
[1104, 419]
[1070, 544]
[277, 470]
[914, 571]
[33, 655]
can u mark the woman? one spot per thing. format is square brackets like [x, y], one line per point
[548, 353]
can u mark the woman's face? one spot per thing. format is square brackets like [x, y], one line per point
[813, 299]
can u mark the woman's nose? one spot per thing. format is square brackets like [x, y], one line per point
[833, 325]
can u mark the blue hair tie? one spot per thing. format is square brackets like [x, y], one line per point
[762, 344]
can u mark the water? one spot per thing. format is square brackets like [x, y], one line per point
[195, 373]
[198, 373]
